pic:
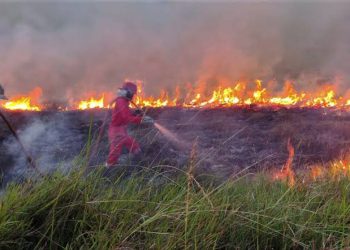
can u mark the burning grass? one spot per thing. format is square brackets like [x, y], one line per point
[152, 211]
[199, 95]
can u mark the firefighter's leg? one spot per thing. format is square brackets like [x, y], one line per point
[135, 155]
[116, 137]
[115, 150]
[132, 145]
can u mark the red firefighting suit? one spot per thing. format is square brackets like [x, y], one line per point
[117, 133]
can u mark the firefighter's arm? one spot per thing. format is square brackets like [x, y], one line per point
[127, 115]
[145, 118]
[134, 118]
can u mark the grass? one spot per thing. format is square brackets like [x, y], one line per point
[94, 212]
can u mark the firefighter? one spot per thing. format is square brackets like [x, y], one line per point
[122, 115]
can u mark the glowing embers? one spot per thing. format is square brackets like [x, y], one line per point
[28, 102]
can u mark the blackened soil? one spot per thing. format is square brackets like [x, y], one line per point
[223, 141]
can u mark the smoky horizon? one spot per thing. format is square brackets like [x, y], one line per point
[69, 49]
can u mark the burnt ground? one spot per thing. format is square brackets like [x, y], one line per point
[226, 140]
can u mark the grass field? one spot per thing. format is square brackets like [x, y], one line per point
[148, 211]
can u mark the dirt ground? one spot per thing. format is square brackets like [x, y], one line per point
[224, 141]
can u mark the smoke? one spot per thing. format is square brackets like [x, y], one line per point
[70, 48]
[49, 140]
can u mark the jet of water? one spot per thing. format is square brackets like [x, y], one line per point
[170, 135]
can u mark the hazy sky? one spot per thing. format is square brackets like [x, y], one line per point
[69, 48]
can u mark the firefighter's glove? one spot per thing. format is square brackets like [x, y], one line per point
[147, 120]
[138, 112]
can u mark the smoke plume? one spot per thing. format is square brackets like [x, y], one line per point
[73, 48]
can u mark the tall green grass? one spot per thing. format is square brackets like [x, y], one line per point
[95, 212]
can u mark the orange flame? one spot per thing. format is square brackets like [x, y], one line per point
[287, 172]
[316, 172]
[340, 169]
[224, 95]
[22, 102]
[240, 95]
[91, 103]
[336, 170]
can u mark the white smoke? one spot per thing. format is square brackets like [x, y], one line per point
[50, 142]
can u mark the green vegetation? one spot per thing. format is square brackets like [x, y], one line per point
[91, 211]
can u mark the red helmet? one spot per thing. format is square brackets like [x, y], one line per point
[130, 87]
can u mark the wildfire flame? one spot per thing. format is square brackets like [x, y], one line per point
[28, 102]
[23, 103]
[287, 172]
[335, 171]
[238, 94]
[92, 103]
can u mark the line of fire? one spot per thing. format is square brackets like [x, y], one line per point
[225, 95]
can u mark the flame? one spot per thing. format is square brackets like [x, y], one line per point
[92, 103]
[335, 170]
[287, 172]
[316, 172]
[340, 169]
[240, 95]
[25, 102]
[224, 95]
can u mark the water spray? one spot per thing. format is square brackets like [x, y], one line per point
[165, 132]
[170, 135]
